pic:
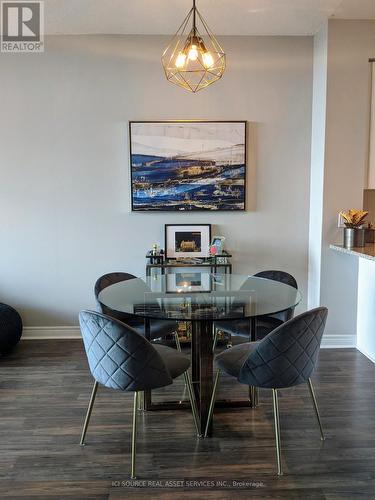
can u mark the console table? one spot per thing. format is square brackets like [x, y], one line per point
[211, 264]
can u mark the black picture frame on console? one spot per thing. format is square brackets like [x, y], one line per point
[184, 241]
[188, 165]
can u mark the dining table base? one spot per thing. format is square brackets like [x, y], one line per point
[202, 376]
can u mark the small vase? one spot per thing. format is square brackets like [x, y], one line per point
[354, 237]
[359, 237]
[349, 237]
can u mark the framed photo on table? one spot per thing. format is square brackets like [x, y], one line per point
[217, 245]
[184, 241]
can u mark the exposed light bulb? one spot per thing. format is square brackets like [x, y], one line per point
[193, 53]
[208, 60]
[193, 59]
[180, 60]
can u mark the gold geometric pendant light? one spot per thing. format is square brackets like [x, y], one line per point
[194, 58]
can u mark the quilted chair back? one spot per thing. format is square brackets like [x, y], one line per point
[285, 278]
[280, 276]
[119, 357]
[108, 280]
[287, 356]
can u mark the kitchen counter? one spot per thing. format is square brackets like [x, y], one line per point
[367, 252]
[365, 296]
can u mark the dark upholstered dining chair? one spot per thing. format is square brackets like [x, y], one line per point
[121, 359]
[284, 358]
[159, 328]
[265, 324]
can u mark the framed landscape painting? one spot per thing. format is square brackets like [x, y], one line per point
[188, 165]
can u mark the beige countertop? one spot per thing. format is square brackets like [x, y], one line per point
[367, 252]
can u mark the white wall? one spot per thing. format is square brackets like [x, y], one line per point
[64, 191]
[371, 163]
[365, 307]
[350, 45]
[318, 134]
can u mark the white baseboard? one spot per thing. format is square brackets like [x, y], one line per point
[51, 332]
[73, 332]
[339, 341]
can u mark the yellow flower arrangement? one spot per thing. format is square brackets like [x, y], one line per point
[354, 218]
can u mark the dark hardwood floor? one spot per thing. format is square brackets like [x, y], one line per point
[44, 390]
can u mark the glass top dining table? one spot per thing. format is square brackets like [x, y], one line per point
[201, 298]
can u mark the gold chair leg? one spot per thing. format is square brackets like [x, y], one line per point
[88, 413]
[312, 392]
[277, 431]
[253, 396]
[193, 402]
[178, 345]
[183, 393]
[216, 334]
[141, 399]
[212, 403]
[134, 434]
[177, 340]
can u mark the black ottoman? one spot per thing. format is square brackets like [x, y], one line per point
[10, 328]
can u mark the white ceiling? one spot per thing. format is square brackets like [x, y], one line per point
[225, 17]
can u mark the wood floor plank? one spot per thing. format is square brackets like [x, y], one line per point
[44, 391]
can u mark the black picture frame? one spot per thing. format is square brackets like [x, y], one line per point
[185, 226]
[174, 207]
[205, 285]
